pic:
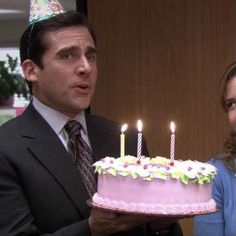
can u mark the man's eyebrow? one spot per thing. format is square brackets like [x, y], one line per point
[92, 49]
[67, 49]
[73, 48]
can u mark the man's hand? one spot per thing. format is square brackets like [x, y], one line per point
[104, 223]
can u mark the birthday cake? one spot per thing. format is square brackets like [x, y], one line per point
[154, 186]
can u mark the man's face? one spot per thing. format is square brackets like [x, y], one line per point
[68, 78]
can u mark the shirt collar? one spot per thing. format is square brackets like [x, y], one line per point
[56, 119]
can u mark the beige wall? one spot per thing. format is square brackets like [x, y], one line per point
[11, 31]
[161, 60]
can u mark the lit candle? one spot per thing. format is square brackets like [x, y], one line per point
[172, 142]
[139, 143]
[122, 140]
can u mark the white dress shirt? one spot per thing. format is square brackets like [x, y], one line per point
[58, 120]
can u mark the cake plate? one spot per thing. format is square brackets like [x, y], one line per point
[169, 215]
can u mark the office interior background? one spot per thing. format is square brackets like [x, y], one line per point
[158, 61]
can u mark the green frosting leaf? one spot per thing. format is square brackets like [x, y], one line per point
[112, 172]
[184, 178]
[124, 173]
[160, 175]
[149, 178]
[176, 175]
[134, 175]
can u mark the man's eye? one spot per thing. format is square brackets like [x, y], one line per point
[91, 57]
[66, 56]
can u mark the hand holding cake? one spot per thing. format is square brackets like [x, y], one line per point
[104, 222]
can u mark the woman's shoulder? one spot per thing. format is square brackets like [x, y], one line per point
[218, 161]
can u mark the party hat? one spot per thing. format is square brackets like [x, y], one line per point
[44, 9]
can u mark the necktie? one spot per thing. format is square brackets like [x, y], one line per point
[81, 155]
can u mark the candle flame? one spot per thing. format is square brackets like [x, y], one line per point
[124, 128]
[172, 127]
[139, 125]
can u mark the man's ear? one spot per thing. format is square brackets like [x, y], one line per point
[30, 70]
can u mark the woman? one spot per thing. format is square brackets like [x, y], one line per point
[223, 222]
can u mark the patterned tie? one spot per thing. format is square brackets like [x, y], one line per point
[81, 155]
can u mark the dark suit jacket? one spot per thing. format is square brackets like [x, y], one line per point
[41, 191]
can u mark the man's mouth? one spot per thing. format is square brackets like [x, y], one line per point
[82, 89]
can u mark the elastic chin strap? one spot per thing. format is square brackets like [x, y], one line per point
[29, 40]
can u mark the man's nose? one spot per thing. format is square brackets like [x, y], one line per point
[84, 66]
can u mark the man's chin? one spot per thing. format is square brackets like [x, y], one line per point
[82, 106]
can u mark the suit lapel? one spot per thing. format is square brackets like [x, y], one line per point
[45, 145]
[101, 137]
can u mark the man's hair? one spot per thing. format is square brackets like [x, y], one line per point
[33, 43]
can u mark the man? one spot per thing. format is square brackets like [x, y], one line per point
[42, 192]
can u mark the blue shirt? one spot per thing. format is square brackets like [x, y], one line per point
[223, 222]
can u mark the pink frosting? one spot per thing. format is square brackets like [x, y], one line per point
[156, 196]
